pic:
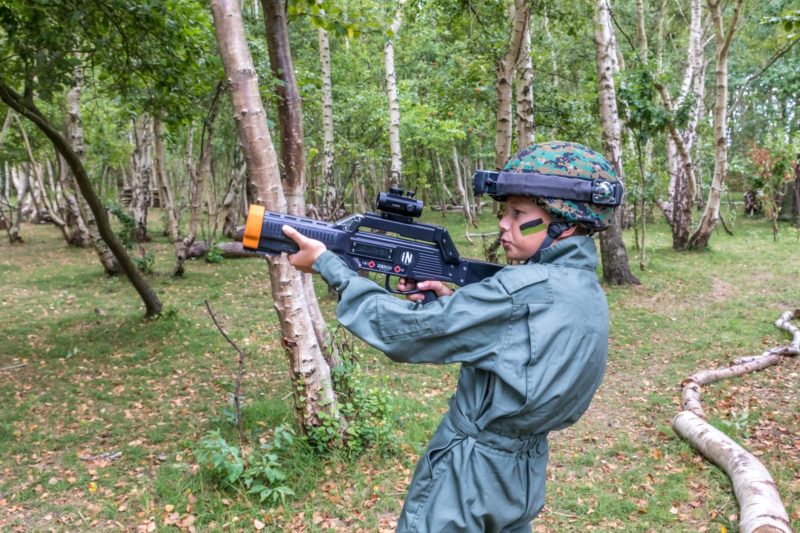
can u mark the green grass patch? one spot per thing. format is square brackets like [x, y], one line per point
[102, 411]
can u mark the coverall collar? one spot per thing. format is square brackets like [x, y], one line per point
[578, 251]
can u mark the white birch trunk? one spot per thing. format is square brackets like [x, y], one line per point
[142, 163]
[761, 509]
[330, 196]
[162, 181]
[519, 15]
[310, 374]
[614, 254]
[75, 138]
[524, 92]
[722, 39]
[396, 172]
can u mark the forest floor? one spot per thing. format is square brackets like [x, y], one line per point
[102, 411]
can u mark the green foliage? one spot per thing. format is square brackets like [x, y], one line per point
[146, 261]
[126, 232]
[214, 255]
[259, 472]
[367, 411]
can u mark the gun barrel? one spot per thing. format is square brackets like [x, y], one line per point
[365, 250]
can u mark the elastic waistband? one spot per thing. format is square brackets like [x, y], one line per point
[493, 439]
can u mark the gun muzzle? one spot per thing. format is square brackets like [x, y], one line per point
[252, 228]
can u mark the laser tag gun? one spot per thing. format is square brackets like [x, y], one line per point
[419, 251]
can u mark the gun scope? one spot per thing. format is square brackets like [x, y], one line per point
[395, 202]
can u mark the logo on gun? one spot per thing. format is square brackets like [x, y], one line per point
[406, 258]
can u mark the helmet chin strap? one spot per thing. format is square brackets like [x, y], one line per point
[554, 231]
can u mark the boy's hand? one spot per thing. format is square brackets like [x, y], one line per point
[436, 286]
[310, 250]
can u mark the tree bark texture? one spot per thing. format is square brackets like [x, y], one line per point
[682, 169]
[331, 194]
[524, 92]
[164, 187]
[759, 500]
[396, 172]
[614, 255]
[309, 372]
[290, 112]
[76, 140]
[722, 40]
[142, 163]
[29, 111]
[290, 121]
[520, 15]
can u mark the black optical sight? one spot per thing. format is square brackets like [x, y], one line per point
[397, 205]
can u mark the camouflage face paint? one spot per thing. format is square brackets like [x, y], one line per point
[534, 226]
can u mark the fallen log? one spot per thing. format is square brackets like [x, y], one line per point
[761, 509]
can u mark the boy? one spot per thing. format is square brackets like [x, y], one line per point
[532, 341]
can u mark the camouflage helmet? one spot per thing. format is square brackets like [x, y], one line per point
[554, 160]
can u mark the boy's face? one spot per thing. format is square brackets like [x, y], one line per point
[523, 227]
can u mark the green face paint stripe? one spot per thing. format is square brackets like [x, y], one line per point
[533, 226]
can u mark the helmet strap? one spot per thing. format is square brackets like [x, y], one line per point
[554, 231]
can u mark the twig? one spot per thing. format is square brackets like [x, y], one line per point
[11, 367]
[240, 372]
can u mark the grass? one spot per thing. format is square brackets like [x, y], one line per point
[97, 428]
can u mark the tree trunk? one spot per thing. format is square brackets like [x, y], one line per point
[396, 172]
[312, 386]
[21, 185]
[524, 92]
[614, 255]
[29, 111]
[290, 113]
[759, 501]
[142, 163]
[78, 231]
[678, 210]
[520, 15]
[162, 181]
[722, 39]
[330, 196]
[76, 141]
[290, 119]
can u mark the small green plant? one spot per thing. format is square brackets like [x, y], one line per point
[146, 261]
[259, 471]
[125, 233]
[214, 255]
[366, 410]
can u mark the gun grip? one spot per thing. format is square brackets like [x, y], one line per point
[428, 296]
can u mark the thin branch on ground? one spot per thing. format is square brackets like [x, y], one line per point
[239, 374]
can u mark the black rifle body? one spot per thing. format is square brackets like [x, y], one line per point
[421, 252]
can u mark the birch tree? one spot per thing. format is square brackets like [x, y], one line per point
[330, 196]
[142, 165]
[76, 140]
[396, 171]
[290, 120]
[524, 91]
[310, 374]
[614, 255]
[519, 14]
[679, 144]
[722, 41]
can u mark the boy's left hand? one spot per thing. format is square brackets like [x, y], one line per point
[310, 250]
[436, 286]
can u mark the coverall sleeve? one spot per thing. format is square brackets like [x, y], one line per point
[466, 327]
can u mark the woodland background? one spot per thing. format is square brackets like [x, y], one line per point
[120, 161]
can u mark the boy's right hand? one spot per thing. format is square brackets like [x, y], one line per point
[439, 288]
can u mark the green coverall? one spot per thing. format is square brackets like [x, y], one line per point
[532, 341]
